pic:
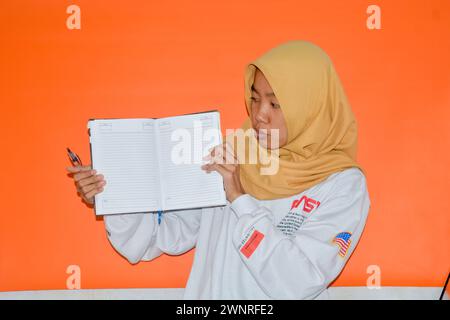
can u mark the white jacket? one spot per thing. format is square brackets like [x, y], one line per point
[290, 248]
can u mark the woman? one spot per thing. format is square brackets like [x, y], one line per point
[286, 235]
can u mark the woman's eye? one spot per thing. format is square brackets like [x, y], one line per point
[275, 106]
[254, 99]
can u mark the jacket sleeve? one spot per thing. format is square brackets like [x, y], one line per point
[301, 265]
[138, 236]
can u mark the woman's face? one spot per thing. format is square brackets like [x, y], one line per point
[266, 114]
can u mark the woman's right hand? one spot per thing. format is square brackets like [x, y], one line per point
[87, 182]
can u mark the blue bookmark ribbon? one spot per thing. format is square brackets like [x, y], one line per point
[159, 216]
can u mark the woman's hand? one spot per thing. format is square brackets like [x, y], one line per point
[87, 182]
[224, 162]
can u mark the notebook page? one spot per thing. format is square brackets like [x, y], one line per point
[123, 150]
[184, 184]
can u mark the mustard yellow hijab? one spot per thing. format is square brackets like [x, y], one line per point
[322, 130]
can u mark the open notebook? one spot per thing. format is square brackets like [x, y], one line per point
[154, 164]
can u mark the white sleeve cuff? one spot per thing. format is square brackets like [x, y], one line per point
[244, 204]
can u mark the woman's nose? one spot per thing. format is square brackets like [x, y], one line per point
[262, 115]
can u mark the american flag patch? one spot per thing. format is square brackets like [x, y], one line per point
[343, 241]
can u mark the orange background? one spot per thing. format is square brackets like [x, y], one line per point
[160, 58]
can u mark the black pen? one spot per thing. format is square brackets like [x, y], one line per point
[74, 157]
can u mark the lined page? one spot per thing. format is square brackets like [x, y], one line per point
[123, 150]
[186, 185]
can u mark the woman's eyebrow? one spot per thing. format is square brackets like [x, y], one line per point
[267, 94]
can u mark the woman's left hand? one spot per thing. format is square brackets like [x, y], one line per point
[224, 162]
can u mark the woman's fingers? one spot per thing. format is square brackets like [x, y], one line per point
[83, 175]
[90, 180]
[88, 187]
[92, 193]
[229, 154]
[87, 182]
[209, 167]
[219, 168]
[88, 192]
[75, 169]
[223, 161]
[222, 154]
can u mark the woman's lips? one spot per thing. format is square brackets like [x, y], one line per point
[262, 135]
